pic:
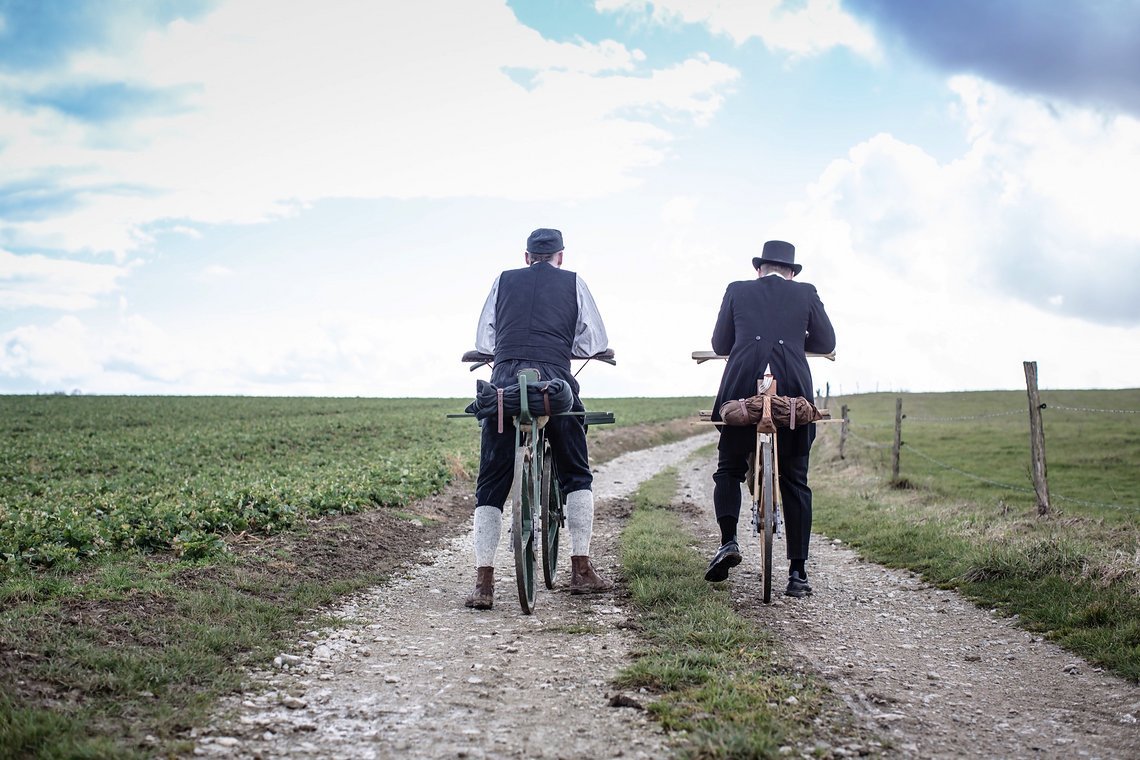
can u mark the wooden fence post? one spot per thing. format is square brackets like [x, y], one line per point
[1037, 439]
[827, 395]
[843, 429]
[898, 439]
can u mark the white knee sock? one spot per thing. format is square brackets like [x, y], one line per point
[488, 527]
[580, 521]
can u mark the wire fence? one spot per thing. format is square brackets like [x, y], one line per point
[863, 433]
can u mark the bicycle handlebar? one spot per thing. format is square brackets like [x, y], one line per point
[704, 356]
[480, 359]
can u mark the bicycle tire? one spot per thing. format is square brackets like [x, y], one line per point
[767, 514]
[552, 510]
[522, 530]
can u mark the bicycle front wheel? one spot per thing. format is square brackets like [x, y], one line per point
[767, 514]
[552, 511]
[522, 530]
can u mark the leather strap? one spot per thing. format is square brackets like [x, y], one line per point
[499, 394]
[792, 413]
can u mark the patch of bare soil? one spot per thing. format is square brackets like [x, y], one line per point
[929, 672]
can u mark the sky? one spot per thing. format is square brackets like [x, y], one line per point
[313, 198]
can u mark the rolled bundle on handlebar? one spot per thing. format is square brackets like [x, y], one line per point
[544, 398]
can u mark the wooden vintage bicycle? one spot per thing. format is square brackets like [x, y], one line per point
[538, 504]
[763, 480]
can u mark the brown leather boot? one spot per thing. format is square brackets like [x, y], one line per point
[483, 597]
[584, 579]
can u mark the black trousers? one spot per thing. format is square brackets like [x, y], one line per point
[736, 443]
[567, 436]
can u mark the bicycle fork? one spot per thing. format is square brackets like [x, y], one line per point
[757, 526]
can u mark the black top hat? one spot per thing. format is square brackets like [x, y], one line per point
[544, 241]
[778, 252]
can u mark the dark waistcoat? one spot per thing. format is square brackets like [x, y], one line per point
[536, 313]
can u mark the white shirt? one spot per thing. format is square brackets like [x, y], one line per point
[589, 332]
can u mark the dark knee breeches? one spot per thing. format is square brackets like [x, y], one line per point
[736, 443]
[567, 435]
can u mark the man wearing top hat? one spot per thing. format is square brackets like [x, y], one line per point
[538, 316]
[767, 325]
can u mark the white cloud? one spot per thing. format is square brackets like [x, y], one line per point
[354, 99]
[808, 28]
[680, 211]
[215, 271]
[948, 275]
[1033, 210]
[32, 280]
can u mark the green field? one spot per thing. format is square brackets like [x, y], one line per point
[964, 512]
[975, 446]
[84, 475]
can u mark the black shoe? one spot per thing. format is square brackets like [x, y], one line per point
[797, 586]
[728, 555]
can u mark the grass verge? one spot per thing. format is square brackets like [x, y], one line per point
[1073, 578]
[720, 678]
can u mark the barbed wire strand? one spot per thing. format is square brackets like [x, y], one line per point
[1052, 496]
[874, 425]
[1082, 409]
[912, 450]
[866, 442]
[971, 417]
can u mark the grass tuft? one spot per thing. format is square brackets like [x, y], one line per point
[713, 669]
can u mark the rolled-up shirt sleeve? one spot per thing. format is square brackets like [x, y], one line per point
[590, 333]
[485, 332]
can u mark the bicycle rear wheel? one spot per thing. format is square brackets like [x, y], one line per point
[522, 529]
[767, 500]
[552, 504]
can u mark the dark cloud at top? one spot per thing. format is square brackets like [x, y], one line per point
[40, 34]
[1106, 298]
[1085, 51]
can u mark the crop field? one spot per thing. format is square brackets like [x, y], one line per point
[84, 475]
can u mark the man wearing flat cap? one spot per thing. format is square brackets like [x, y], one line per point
[768, 325]
[538, 316]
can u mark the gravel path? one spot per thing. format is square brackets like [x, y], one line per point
[413, 674]
[930, 672]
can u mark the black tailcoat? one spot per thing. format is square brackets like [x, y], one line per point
[774, 321]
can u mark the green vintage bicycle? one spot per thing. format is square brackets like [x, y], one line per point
[539, 506]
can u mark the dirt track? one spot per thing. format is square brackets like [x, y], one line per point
[415, 674]
[411, 673]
